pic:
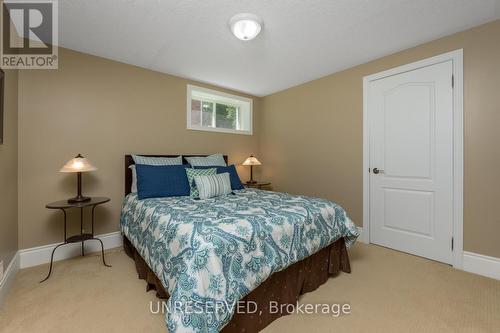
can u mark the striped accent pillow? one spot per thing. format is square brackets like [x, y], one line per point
[147, 160]
[213, 186]
[212, 160]
[191, 173]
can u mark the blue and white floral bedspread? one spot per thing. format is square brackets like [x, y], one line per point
[218, 250]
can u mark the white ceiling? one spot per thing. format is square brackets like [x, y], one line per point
[302, 39]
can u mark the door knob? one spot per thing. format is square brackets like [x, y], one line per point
[377, 171]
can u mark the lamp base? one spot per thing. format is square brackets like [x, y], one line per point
[252, 182]
[79, 199]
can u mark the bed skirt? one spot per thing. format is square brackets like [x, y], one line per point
[282, 287]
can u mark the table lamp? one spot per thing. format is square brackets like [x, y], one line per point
[251, 161]
[78, 164]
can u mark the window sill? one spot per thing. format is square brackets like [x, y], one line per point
[219, 130]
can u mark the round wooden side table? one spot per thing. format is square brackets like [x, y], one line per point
[64, 205]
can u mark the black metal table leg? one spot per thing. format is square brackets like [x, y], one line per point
[102, 252]
[51, 261]
[65, 233]
[92, 230]
[54, 250]
[102, 245]
[81, 229]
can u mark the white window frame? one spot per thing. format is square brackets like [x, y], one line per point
[223, 96]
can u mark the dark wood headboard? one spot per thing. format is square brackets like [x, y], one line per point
[130, 161]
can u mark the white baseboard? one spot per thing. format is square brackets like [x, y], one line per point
[482, 265]
[41, 255]
[471, 262]
[363, 237]
[8, 277]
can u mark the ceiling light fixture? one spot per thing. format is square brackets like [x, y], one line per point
[245, 26]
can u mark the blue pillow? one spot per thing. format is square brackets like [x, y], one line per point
[155, 181]
[233, 175]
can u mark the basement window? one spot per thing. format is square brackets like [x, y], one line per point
[215, 111]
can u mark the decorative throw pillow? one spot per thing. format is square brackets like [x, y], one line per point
[157, 181]
[147, 160]
[191, 173]
[213, 186]
[212, 160]
[233, 175]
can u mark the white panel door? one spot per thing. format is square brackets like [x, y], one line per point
[411, 161]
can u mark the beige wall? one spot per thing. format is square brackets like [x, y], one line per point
[311, 135]
[8, 171]
[104, 110]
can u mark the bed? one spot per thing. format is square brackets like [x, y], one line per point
[211, 259]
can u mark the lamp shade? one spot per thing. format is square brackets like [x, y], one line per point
[252, 161]
[78, 164]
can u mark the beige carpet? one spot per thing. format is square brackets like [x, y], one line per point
[388, 292]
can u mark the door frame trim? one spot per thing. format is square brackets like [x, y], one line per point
[458, 143]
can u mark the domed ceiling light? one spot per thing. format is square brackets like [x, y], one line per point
[245, 26]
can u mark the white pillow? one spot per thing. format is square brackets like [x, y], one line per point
[133, 187]
[212, 160]
[213, 185]
[148, 160]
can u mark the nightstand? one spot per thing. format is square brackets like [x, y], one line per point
[64, 205]
[258, 185]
